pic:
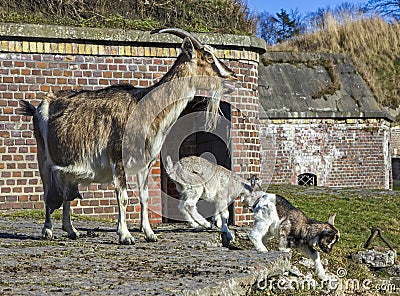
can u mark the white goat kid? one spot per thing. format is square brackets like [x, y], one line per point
[80, 134]
[197, 178]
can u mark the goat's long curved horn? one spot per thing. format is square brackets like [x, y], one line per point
[180, 33]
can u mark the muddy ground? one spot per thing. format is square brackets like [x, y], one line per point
[182, 262]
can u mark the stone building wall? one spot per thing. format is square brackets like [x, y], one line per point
[340, 153]
[37, 59]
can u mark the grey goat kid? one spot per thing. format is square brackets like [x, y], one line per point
[197, 178]
[80, 134]
[276, 217]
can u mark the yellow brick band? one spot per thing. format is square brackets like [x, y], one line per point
[114, 50]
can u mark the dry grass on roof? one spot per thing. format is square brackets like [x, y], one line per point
[373, 45]
[222, 16]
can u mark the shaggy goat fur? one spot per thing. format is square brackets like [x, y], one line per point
[80, 135]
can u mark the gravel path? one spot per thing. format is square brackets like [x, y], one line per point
[182, 262]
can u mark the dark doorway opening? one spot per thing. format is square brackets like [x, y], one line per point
[200, 143]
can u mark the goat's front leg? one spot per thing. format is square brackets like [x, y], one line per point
[222, 208]
[260, 229]
[47, 230]
[314, 255]
[125, 236]
[66, 221]
[142, 179]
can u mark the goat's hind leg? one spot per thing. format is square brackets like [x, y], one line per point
[70, 193]
[189, 208]
[66, 221]
[186, 216]
[47, 230]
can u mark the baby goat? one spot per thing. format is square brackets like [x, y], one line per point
[274, 216]
[197, 178]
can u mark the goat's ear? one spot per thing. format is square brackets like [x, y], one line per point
[331, 220]
[188, 48]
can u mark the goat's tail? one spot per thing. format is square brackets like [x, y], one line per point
[26, 109]
[169, 165]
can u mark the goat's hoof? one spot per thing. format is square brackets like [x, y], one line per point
[127, 240]
[225, 240]
[73, 235]
[47, 234]
[151, 238]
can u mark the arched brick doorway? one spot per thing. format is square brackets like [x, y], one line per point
[200, 143]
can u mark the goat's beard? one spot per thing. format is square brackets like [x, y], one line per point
[212, 112]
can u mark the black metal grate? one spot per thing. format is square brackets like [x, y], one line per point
[307, 179]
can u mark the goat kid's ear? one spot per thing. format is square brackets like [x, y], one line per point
[188, 48]
[255, 181]
[331, 220]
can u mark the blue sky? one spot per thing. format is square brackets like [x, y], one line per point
[304, 6]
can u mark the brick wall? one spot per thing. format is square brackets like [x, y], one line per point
[343, 153]
[31, 66]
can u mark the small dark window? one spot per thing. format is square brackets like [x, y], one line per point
[307, 179]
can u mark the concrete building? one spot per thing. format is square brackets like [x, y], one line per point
[326, 126]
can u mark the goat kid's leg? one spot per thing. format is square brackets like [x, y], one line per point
[186, 215]
[264, 219]
[125, 236]
[142, 179]
[226, 235]
[47, 230]
[314, 255]
[260, 229]
[190, 207]
[222, 208]
[217, 219]
[66, 221]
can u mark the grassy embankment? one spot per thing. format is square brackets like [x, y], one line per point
[222, 16]
[372, 44]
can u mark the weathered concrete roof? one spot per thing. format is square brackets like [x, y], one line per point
[314, 85]
[126, 36]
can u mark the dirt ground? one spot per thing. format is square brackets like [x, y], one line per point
[182, 262]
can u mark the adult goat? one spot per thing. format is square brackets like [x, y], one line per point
[80, 134]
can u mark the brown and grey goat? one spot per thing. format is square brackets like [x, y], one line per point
[197, 178]
[276, 217]
[80, 135]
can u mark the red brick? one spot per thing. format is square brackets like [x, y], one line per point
[42, 65]
[45, 88]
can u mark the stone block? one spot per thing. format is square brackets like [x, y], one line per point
[376, 258]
